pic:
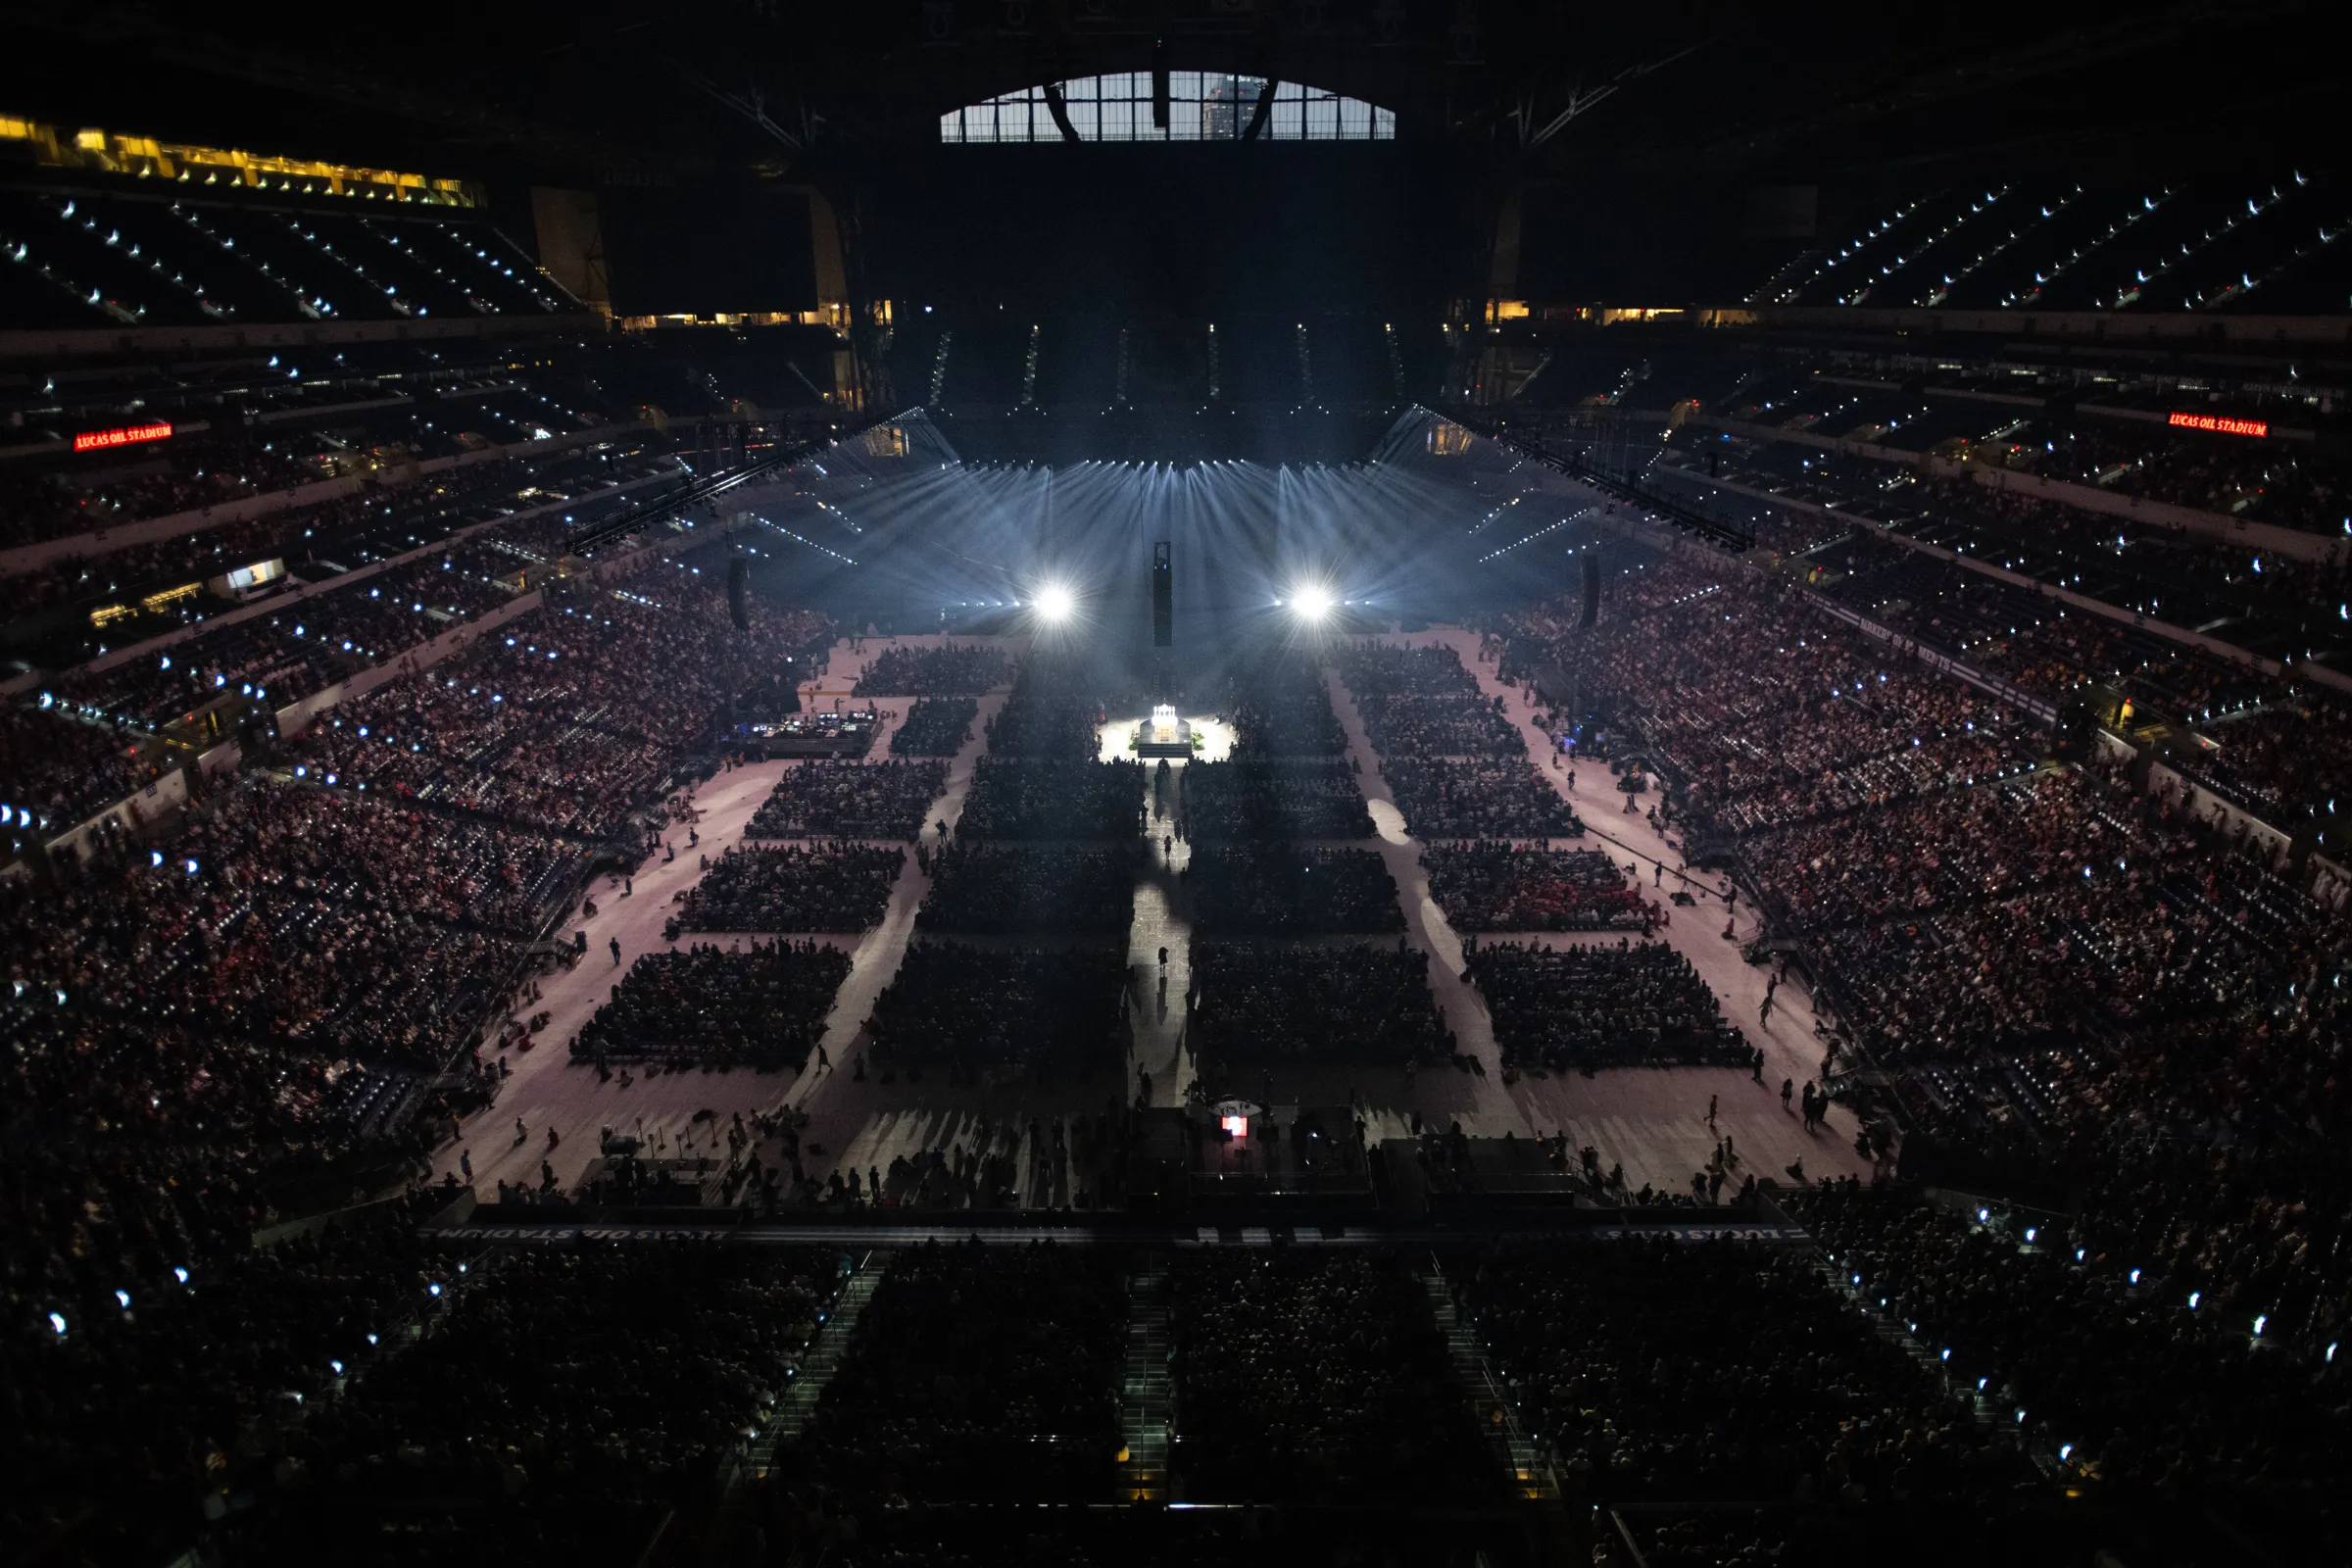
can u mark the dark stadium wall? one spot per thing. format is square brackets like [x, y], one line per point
[1124, 231]
[700, 251]
[1641, 243]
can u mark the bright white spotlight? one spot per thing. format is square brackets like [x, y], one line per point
[1055, 602]
[1311, 603]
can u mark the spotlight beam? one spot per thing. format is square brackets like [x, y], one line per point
[1056, 604]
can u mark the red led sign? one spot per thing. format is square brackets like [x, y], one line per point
[2219, 425]
[122, 436]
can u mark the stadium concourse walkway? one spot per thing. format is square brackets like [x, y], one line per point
[1654, 1119]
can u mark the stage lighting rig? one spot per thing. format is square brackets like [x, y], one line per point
[1054, 604]
[1310, 603]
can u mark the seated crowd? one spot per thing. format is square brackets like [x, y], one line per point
[275, 1007]
[1382, 669]
[976, 1374]
[1051, 712]
[950, 671]
[2104, 906]
[2131, 1374]
[1316, 1377]
[1400, 726]
[2285, 763]
[1280, 707]
[517, 517]
[763, 1007]
[1494, 885]
[1443, 799]
[1034, 798]
[983, 889]
[1258, 1008]
[1663, 1370]
[935, 727]
[47, 503]
[521, 1424]
[1289, 798]
[2056, 974]
[1618, 1005]
[2071, 979]
[791, 887]
[59, 769]
[569, 719]
[1243, 890]
[819, 798]
[136, 1409]
[973, 1010]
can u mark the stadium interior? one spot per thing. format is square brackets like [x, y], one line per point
[1327, 707]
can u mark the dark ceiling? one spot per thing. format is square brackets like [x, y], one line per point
[1639, 142]
[591, 90]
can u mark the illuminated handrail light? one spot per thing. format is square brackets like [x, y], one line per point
[2219, 424]
[122, 435]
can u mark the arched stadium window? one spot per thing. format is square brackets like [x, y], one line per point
[1202, 106]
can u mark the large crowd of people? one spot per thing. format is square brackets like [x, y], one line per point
[935, 727]
[1316, 1376]
[793, 887]
[131, 1410]
[524, 1423]
[954, 671]
[2155, 1378]
[2071, 981]
[1602, 1004]
[1034, 798]
[762, 1005]
[1659, 1370]
[984, 889]
[1404, 725]
[165, 586]
[59, 769]
[1445, 798]
[573, 717]
[1494, 885]
[818, 799]
[2053, 968]
[44, 503]
[2285, 763]
[977, 1374]
[973, 1010]
[1258, 1008]
[1280, 707]
[1287, 890]
[1052, 711]
[1384, 670]
[1983, 903]
[1285, 798]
